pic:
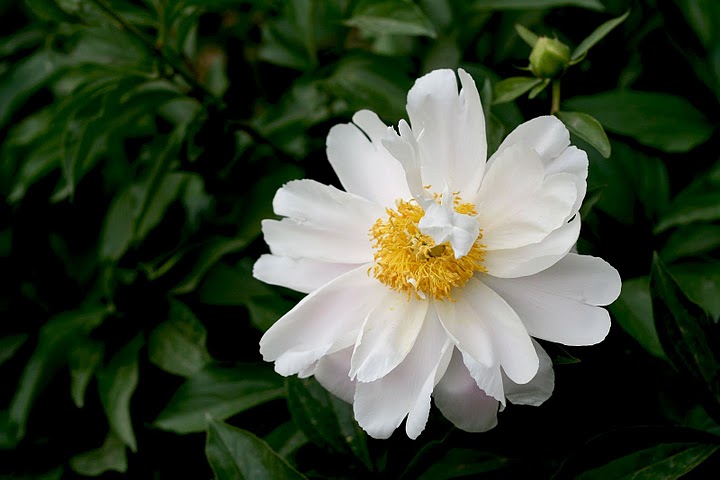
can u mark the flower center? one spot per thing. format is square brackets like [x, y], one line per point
[406, 260]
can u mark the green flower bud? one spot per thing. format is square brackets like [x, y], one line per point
[549, 58]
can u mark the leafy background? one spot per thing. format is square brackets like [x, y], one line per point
[141, 143]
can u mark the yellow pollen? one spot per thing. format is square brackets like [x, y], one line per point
[408, 261]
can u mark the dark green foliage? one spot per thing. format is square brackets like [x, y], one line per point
[142, 142]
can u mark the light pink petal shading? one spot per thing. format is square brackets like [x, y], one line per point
[332, 373]
[537, 390]
[461, 401]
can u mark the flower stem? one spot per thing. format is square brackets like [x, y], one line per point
[555, 106]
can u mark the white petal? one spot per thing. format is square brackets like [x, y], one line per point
[404, 148]
[363, 165]
[387, 336]
[323, 206]
[323, 223]
[533, 258]
[443, 224]
[327, 320]
[489, 379]
[517, 205]
[558, 304]
[485, 328]
[575, 162]
[299, 274]
[289, 239]
[371, 125]
[461, 401]
[450, 131]
[467, 329]
[381, 406]
[510, 340]
[550, 139]
[546, 135]
[537, 390]
[332, 373]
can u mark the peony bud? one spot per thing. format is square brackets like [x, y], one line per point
[549, 58]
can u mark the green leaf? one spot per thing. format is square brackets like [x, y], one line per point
[464, 462]
[701, 283]
[636, 186]
[291, 39]
[280, 47]
[24, 79]
[211, 253]
[38, 163]
[286, 439]
[527, 35]
[592, 196]
[169, 188]
[536, 4]
[587, 128]
[117, 231]
[178, 344]
[221, 392]
[667, 461]
[265, 311]
[48, 10]
[511, 88]
[393, 17]
[84, 359]
[56, 337]
[257, 202]
[10, 344]
[370, 82]
[113, 49]
[687, 334]
[28, 37]
[597, 35]
[82, 134]
[161, 187]
[326, 420]
[111, 456]
[690, 241]
[535, 91]
[117, 382]
[660, 120]
[687, 209]
[225, 285]
[236, 454]
[496, 131]
[633, 311]
[703, 16]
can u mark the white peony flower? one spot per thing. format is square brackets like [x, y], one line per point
[432, 272]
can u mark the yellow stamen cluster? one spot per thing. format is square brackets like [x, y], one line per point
[408, 261]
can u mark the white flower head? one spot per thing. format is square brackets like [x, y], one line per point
[430, 274]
